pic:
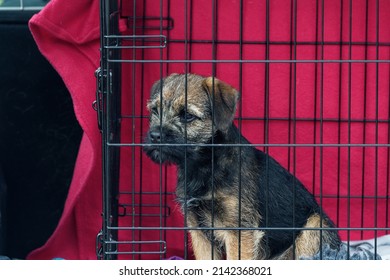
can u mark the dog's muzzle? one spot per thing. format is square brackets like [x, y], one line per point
[162, 146]
[154, 136]
[152, 148]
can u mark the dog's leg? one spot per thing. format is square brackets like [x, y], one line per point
[286, 255]
[203, 247]
[308, 241]
[250, 244]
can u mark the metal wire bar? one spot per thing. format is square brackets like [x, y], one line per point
[238, 61]
[169, 228]
[282, 145]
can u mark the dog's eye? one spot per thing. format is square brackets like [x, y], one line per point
[154, 110]
[187, 117]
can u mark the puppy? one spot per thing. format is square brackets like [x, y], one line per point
[239, 202]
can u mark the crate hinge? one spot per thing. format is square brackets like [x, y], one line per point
[97, 104]
[99, 245]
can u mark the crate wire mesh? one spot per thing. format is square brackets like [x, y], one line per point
[314, 84]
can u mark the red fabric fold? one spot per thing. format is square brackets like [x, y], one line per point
[67, 34]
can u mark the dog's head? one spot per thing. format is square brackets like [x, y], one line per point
[187, 109]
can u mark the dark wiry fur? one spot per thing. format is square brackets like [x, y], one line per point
[227, 186]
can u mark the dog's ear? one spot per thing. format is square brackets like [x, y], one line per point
[223, 99]
[156, 88]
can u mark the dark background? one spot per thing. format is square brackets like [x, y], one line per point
[39, 140]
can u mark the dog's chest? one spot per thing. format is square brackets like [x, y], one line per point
[210, 210]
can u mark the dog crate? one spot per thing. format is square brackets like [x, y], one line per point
[313, 78]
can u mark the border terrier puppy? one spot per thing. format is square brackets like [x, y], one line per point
[231, 208]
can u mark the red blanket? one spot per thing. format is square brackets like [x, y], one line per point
[67, 33]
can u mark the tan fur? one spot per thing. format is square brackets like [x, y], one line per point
[307, 243]
[203, 247]
[249, 240]
[240, 244]
[200, 244]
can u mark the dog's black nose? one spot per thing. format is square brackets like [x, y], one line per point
[155, 136]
